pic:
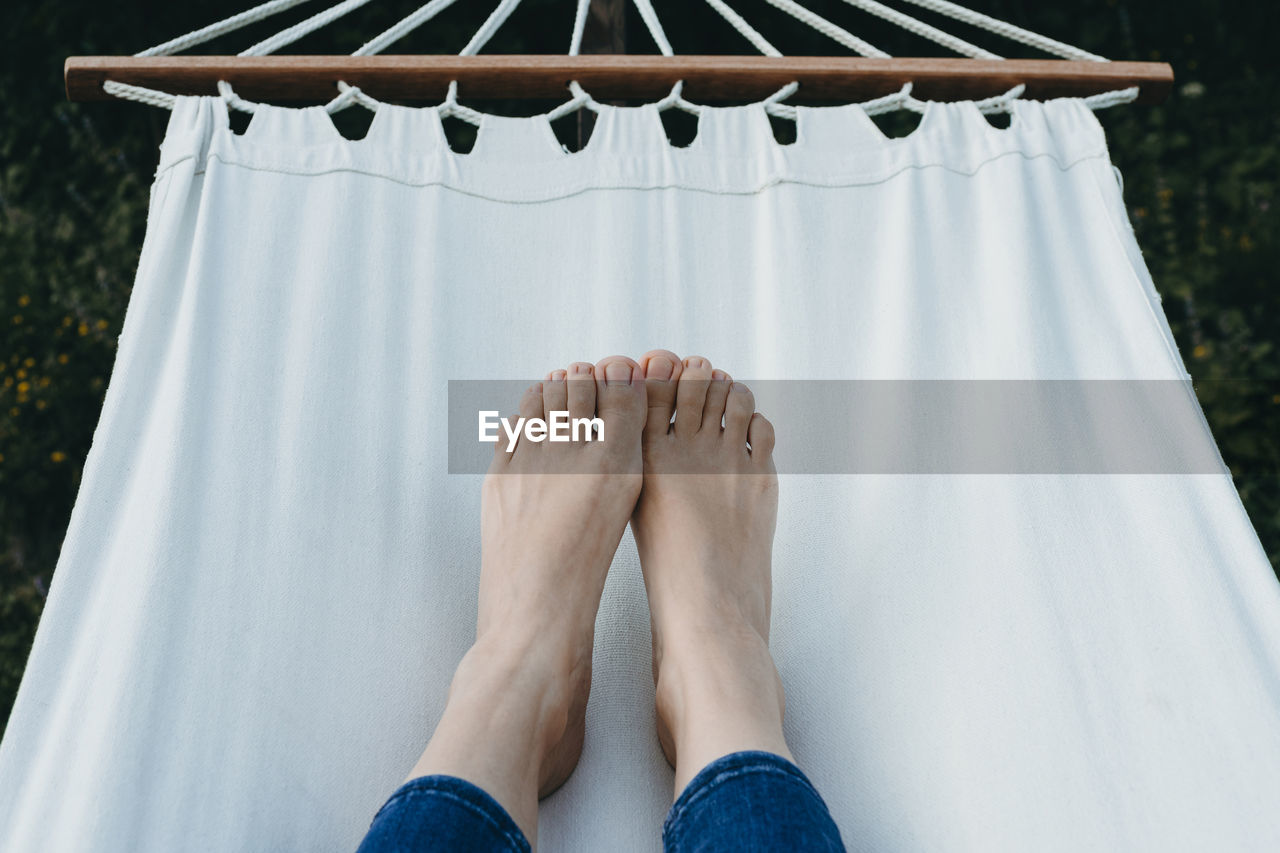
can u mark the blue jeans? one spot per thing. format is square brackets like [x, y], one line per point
[747, 801]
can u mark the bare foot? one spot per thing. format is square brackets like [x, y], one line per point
[551, 517]
[552, 514]
[704, 529]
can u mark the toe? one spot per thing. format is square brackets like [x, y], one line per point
[738, 410]
[531, 401]
[555, 394]
[530, 407]
[717, 394]
[581, 390]
[661, 371]
[691, 395]
[620, 390]
[760, 436]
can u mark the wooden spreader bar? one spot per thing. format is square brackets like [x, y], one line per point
[707, 79]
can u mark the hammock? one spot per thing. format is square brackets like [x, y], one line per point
[270, 574]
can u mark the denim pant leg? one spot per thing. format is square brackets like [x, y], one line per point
[442, 813]
[750, 801]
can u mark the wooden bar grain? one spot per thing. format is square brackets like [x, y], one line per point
[708, 79]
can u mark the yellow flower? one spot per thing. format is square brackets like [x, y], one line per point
[58, 456]
[63, 358]
[84, 329]
[24, 387]
[1, 457]
[66, 321]
[22, 398]
[22, 374]
[24, 300]
[17, 319]
[40, 404]
[8, 382]
[102, 324]
[1200, 351]
[14, 412]
[1246, 242]
[44, 381]
[30, 362]
[1141, 213]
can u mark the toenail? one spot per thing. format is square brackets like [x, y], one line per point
[719, 375]
[581, 368]
[693, 362]
[659, 367]
[557, 376]
[617, 372]
[739, 387]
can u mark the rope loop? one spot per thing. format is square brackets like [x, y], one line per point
[451, 107]
[349, 95]
[675, 98]
[1001, 103]
[581, 98]
[234, 101]
[889, 103]
[773, 106]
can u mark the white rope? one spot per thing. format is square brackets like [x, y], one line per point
[165, 100]
[303, 28]
[139, 94]
[650, 18]
[212, 31]
[234, 101]
[1112, 99]
[580, 98]
[748, 32]
[920, 28]
[782, 94]
[676, 99]
[348, 94]
[1001, 103]
[874, 107]
[1009, 31]
[408, 24]
[496, 18]
[887, 103]
[451, 107]
[827, 28]
[579, 26]
[490, 26]
[994, 104]
[773, 105]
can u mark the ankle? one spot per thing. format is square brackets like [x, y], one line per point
[511, 682]
[719, 693]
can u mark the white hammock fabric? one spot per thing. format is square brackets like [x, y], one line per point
[269, 574]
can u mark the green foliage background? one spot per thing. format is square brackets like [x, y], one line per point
[1200, 182]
